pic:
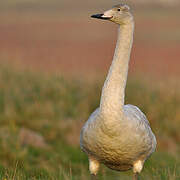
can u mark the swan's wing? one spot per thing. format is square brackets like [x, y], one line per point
[135, 113]
[141, 124]
[86, 129]
[93, 115]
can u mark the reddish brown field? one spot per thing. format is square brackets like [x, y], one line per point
[84, 46]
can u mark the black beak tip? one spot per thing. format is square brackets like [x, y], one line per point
[93, 16]
[98, 16]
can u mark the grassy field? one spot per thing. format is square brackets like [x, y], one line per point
[41, 117]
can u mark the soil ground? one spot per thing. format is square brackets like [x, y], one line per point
[56, 42]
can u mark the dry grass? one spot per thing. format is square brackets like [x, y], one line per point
[55, 109]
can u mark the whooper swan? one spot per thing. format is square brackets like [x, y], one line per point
[115, 134]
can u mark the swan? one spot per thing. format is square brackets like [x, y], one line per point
[117, 135]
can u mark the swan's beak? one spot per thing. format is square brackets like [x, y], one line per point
[101, 16]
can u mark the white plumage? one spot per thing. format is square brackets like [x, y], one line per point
[115, 134]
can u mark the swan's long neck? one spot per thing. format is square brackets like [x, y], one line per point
[112, 98]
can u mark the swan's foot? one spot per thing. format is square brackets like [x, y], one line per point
[93, 166]
[137, 168]
[135, 176]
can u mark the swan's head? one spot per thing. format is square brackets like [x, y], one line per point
[119, 14]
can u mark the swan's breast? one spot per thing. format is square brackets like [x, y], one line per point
[133, 140]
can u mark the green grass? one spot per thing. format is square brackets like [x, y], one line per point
[56, 109]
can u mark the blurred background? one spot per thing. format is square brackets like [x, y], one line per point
[53, 62]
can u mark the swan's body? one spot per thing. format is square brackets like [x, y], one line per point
[115, 134]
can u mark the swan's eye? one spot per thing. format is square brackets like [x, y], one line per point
[118, 9]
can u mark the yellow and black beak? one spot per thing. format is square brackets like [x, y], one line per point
[100, 16]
